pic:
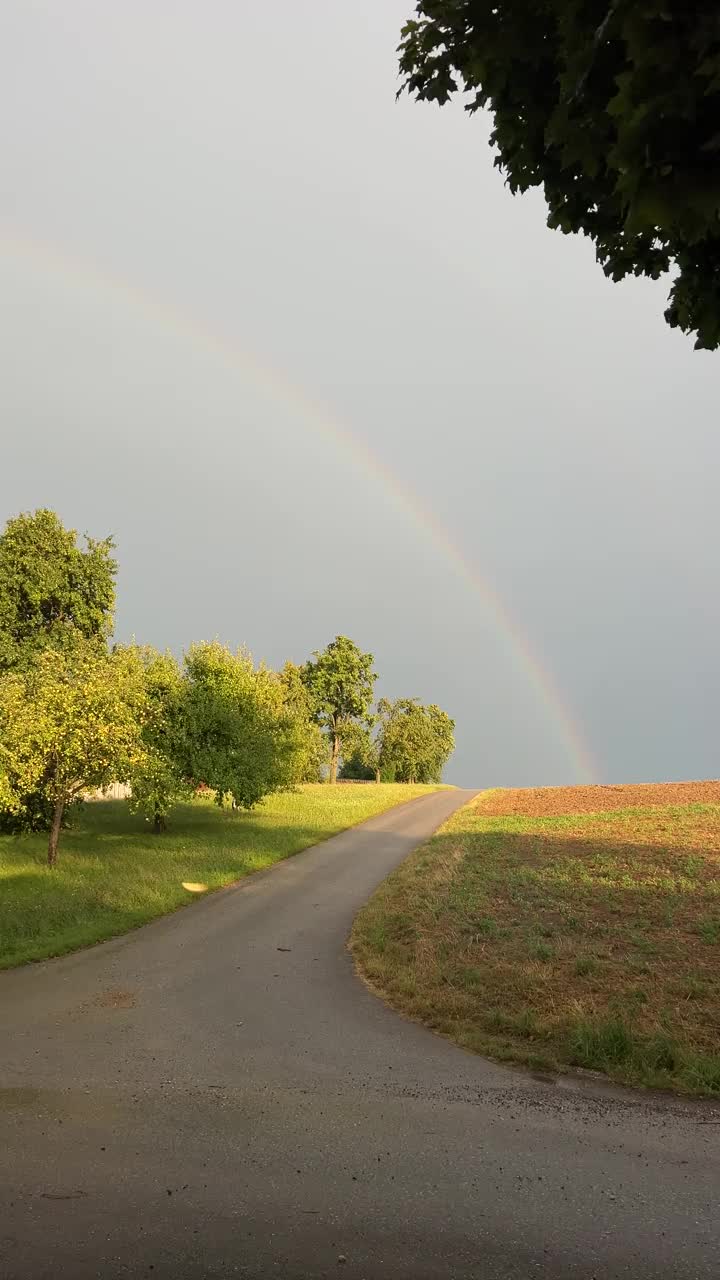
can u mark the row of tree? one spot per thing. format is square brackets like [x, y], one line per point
[410, 743]
[402, 741]
[77, 713]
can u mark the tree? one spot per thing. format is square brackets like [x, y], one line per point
[52, 593]
[416, 741]
[69, 722]
[159, 779]
[241, 737]
[613, 107]
[360, 754]
[310, 754]
[51, 590]
[354, 767]
[341, 682]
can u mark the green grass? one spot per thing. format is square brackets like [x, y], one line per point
[585, 939]
[114, 874]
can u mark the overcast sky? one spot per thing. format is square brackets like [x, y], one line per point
[296, 347]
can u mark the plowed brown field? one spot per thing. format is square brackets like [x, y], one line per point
[547, 802]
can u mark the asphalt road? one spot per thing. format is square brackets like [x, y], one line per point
[217, 1094]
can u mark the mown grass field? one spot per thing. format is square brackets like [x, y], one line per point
[113, 873]
[564, 927]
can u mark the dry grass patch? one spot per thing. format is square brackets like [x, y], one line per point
[537, 928]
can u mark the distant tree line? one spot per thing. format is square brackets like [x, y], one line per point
[410, 743]
[78, 713]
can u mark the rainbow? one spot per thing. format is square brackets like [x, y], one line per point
[50, 260]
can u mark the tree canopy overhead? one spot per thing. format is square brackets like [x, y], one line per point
[613, 108]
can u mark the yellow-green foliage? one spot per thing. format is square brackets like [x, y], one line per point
[246, 735]
[71, 721]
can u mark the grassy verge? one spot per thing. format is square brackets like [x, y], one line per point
[114, 874]
[589, 938]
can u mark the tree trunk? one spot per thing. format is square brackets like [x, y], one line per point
[55, 831]
[159, 823]
[334, 757]
[377, 775]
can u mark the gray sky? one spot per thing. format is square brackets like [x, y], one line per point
[226, 251]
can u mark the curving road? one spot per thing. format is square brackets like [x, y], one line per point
[218, 1095]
